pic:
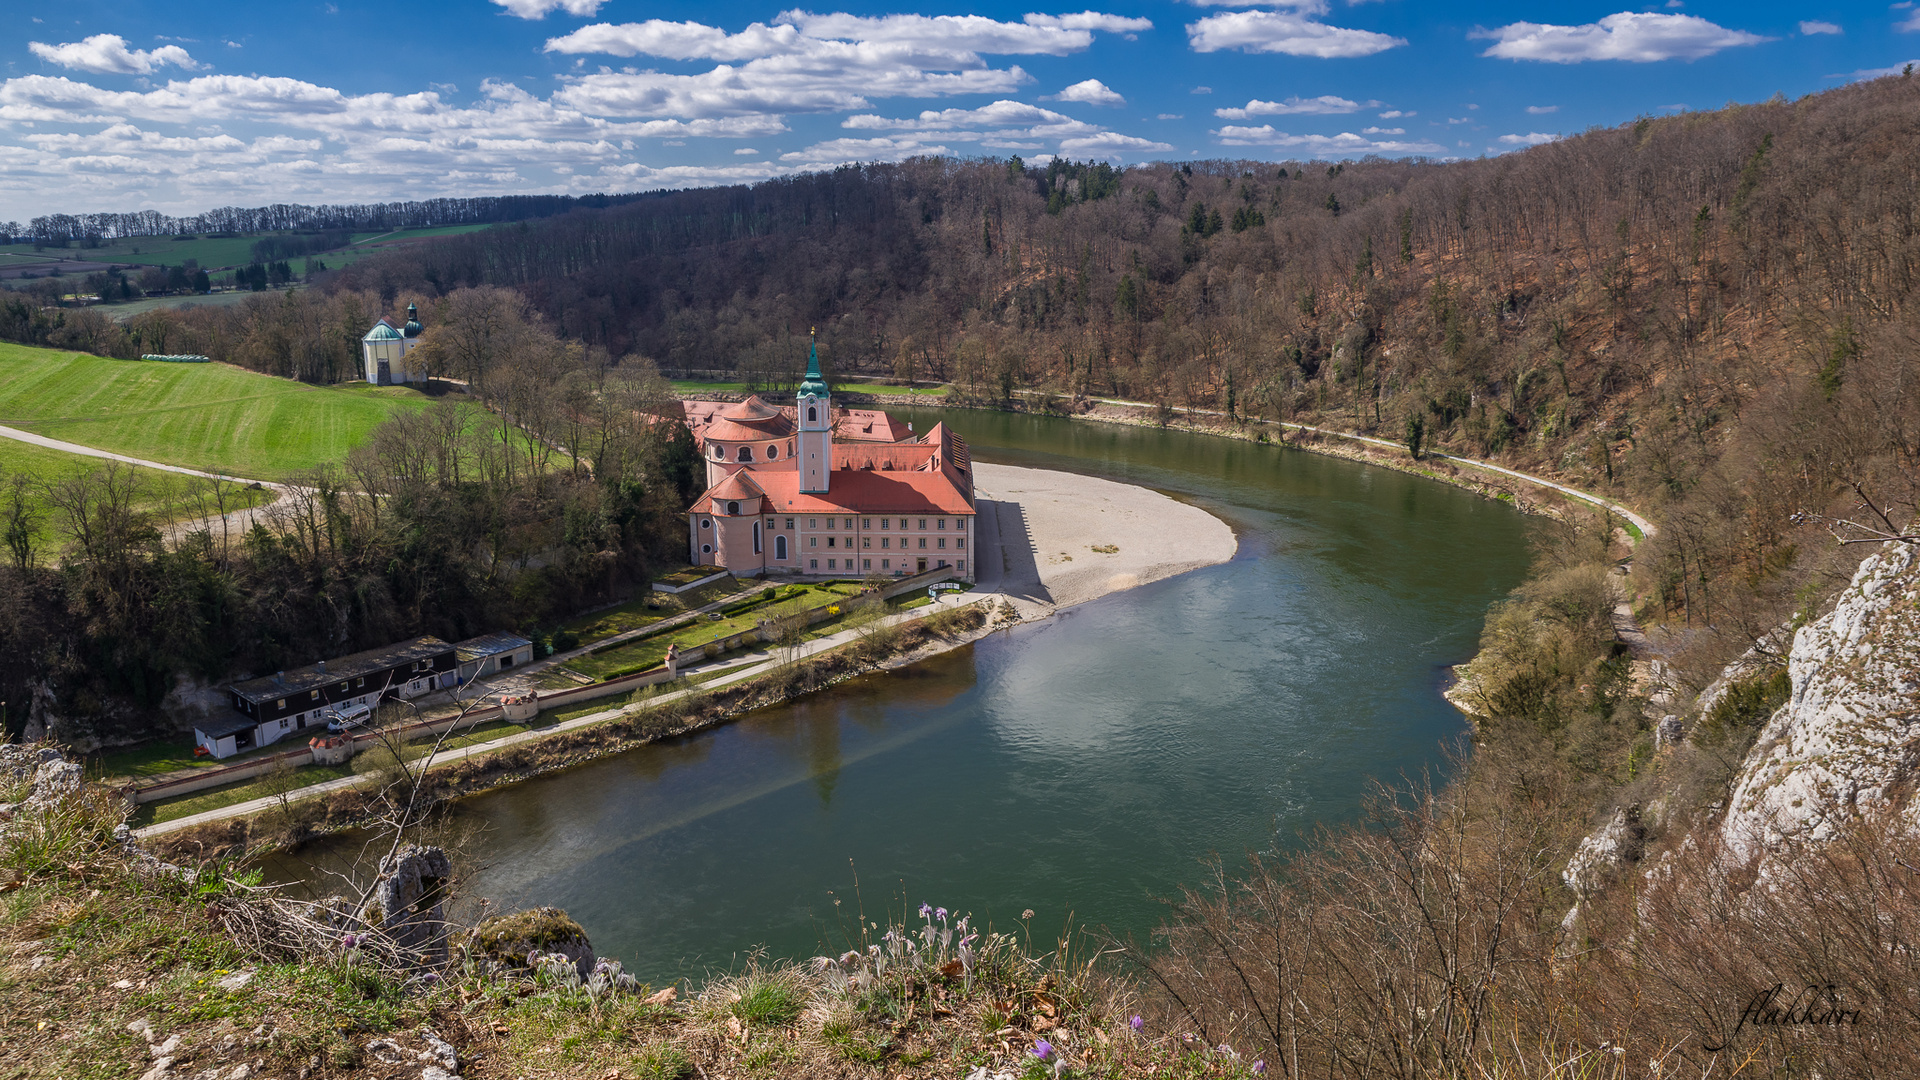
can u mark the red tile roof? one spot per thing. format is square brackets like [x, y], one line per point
[861, 492]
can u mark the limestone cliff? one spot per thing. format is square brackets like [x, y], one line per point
[1845, 743]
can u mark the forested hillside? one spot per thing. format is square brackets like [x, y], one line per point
[1709, 314]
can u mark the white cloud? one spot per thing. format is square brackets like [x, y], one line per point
[107, 54]
[1815, 26]
[1324, 105]
[1201, 90]
[1634, 36]
[1542, 110]
[539, 9]
[1910, 24]
[1345, 144]
[1383, 131]
[1284, 32]
[805, 62]
[1170, 116]
[1003, 125]
[745, 151]
[1395, 114]
[1531, 138]
[1858, 76]
[1090, 92]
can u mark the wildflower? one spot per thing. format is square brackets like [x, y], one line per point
[1136, 1023]
[1042, 1049]
[1027, 914]
[924, 908]
[430, 978]
[940, 913]
[1260, 1067]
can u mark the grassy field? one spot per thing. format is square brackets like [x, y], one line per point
[645, 611]
[202, 416]
[167, 494]
[214, 253]
[123, 311]
[689, 386]
[649, 652]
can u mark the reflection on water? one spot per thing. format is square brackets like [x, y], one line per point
[1088, 762]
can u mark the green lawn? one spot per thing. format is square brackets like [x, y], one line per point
[202, 416]
[221, 797]
[168, 496]
[650, 652]
[635, 614]
[213, 253]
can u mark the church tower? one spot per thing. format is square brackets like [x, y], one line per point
[816, 427]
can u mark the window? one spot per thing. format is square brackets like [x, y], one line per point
[706, 549]
[780, 548]
[961, 565]
[343, 688]
[756, 539]
[789, 524]
[719, 454]
[733, 507]
[849, 524]
[813, 541]
[281, 704]
[941, 565]
[959, 541]
[813, 414]
[813, 564]
[830, 565]
[830, 541]
[866, 564]
[923, 524]
[866, 523]
[813, 523]
[939, 523]
[866, 541]
[943, 541]
[706, 523]
[773, 451]
[923, 541]
[746, 453]
[884, 522]
[886, 564]
[360, 682]
[313, 695]
[886, 541]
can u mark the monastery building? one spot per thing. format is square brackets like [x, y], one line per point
[815, 491]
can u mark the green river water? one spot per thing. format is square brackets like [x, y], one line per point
[1083, 766]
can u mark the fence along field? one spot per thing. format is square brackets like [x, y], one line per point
[202, 416]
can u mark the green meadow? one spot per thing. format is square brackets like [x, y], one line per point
[201, 416]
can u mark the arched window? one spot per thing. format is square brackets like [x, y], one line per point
[773, 452]
[756, 538]
[780, 548]
[719, 453]
[734, 508]
[746, 453]
[813, 415]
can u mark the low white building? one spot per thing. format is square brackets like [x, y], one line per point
[384, 351]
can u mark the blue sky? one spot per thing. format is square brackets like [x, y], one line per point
[116, 105]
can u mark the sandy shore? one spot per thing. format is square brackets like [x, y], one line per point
[1049, 524]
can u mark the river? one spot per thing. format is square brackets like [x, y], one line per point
[1082, 767]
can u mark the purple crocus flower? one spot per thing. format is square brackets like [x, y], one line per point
[940, 913]
[1136, 1023]
[924, 909]
[1260, 1068]
[1042, 1049]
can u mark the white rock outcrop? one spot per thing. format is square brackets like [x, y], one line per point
[1847, 742]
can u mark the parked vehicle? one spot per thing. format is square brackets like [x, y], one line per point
[349, 718]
